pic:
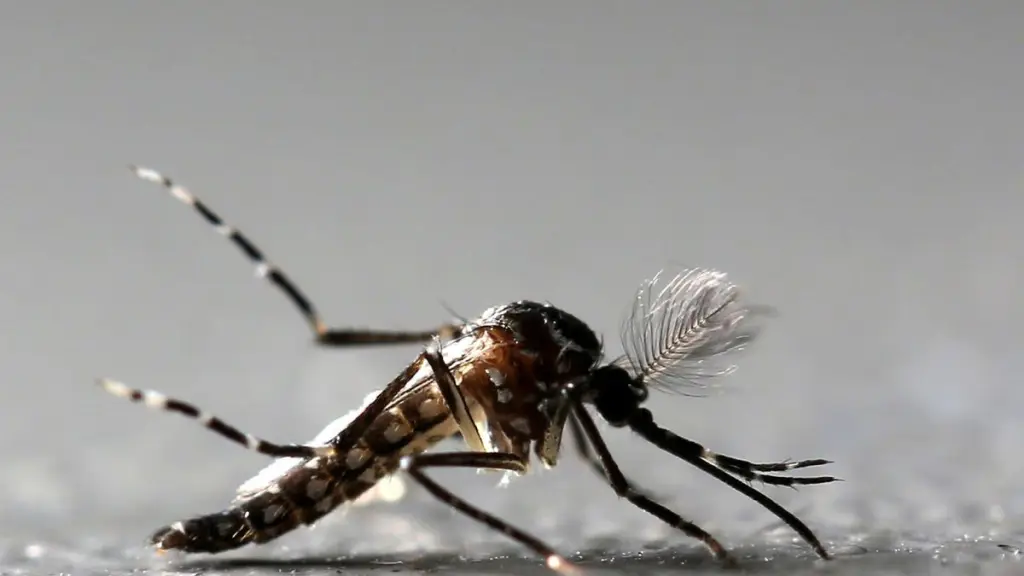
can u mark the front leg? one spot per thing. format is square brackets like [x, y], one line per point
[617, 480]
[642, 422]
[579, 437]
[751, 471]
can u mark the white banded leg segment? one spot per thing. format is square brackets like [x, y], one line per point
[159, 401]
[263, 268]
[752, 471]
[325, 336]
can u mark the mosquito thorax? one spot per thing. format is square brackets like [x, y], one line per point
[532, 353]
[543, 326]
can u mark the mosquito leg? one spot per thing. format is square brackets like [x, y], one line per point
[642, 422]
[453, 397]
[416, 464]
[325, 336]
[355, 430]
[748, 470]
[751, 471]
[730, 462]
[160, 401]
[583, 449]
[624, 489]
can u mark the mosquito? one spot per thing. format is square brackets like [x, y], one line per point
[509, 383]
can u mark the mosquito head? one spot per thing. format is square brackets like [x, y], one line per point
[615, 393]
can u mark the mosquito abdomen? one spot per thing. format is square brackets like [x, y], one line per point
[300, 497]
[209, 533]
[311, 489]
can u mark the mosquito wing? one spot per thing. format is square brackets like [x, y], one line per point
[281, 466]
[455, 354]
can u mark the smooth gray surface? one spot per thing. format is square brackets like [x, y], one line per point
[857, 165]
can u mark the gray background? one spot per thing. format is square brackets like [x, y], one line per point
[857, 165]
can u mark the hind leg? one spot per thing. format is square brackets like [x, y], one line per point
[324, 335]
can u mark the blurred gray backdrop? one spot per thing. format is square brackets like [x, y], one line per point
[856, 165]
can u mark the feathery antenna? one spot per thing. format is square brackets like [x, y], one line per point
[679, 335]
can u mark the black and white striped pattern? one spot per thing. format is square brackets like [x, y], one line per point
[160, 401]
[324, 335]
[751, 471]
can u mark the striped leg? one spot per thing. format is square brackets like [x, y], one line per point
[622, 486]
[159, 401]
[751, 471]
[325, 336]
[343, 441]
[642, 422]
